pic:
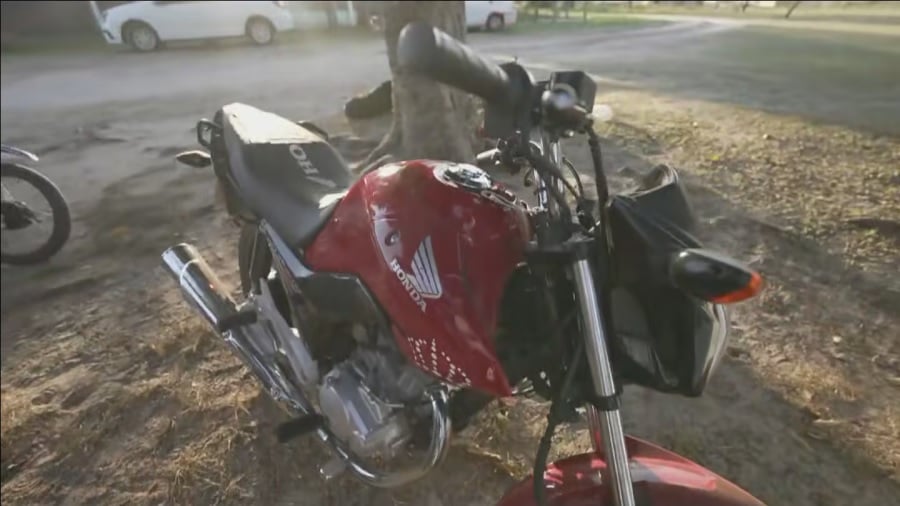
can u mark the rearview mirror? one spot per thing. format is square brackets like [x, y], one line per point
[197, 159]
[713, 277]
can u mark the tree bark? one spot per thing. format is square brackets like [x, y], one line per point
[430, 120]
[791, 10]
[331, 15]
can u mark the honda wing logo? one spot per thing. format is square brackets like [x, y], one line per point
[425, 271]
[423, 282]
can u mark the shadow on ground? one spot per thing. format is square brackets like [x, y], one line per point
[115, 393]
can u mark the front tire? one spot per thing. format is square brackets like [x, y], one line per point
[260, 31]
[141, 37]
[62, 224]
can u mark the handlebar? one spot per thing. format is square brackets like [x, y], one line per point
[431, 52]
[513, 102]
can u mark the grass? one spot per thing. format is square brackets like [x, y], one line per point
[887, 13]
[864, 62]
[527, 24]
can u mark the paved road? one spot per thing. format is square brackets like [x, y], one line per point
[99, 118]
[128, 107]
[842, 78]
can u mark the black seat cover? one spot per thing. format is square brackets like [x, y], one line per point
[286, 174]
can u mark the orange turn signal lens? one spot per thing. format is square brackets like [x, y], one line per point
[753, 286]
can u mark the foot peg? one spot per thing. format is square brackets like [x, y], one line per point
[240, 318]
[332, 469]
[298, 427]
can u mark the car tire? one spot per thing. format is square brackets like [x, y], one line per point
[260, 31]
[495, 23]
[140, 36]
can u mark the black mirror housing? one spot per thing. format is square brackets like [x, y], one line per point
[713, 277]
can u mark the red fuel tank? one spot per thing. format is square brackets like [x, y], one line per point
[435, 243]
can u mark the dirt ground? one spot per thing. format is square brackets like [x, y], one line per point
[113, 392]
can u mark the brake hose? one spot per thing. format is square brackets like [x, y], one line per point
[597, 159]
[554, 418]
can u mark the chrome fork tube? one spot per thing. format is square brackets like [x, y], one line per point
[607, 434]
[553, 151]
[593, 416]
[543, 194]
[605, 423]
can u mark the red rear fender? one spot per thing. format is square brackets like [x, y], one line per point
[661, 478]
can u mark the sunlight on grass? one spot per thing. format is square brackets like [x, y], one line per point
[886, 12]
[527, 24]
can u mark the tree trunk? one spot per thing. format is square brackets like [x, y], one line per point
[584, 9]
[430, 120]
[791, 9]
[744, 7]
[331, 15]
[98, 16]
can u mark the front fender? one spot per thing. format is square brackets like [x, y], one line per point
[10, 153]
[661, 478]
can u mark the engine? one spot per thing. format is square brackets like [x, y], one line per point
[366, 398]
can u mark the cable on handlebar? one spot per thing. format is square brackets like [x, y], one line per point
[544, 168]
[582, 205]
[569, 165]
[597, 159]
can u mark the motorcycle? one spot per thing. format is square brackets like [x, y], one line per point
[383, 313]
[18, 215]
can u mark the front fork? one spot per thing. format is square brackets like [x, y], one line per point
[604, 419]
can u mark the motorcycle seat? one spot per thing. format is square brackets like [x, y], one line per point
[286, 174]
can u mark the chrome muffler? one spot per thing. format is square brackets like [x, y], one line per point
[254, 336]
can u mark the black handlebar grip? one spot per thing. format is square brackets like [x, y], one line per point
[428, 51]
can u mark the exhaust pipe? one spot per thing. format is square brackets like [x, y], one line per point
[255, 345]
[207, 294]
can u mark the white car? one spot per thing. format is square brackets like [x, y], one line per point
[144, 25]
[492, 16]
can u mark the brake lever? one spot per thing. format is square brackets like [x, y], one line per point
[487, 159]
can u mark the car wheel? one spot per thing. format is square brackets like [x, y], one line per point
[141, 36]
[495, 23]
[260, 31]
